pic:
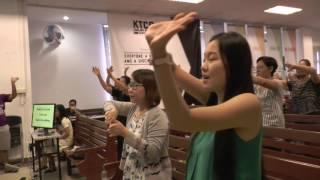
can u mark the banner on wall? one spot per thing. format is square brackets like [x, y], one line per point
[129, 47]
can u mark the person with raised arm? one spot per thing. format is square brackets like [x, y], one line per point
[227, 143]
[5, 142]
[270, 92]
[305, 89]
[120, 90]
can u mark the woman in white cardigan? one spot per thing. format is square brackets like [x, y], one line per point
[145, 151]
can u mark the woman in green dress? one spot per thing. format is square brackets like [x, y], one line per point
[227, 144]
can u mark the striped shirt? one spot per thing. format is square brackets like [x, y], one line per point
[305, 97]
[272, 106]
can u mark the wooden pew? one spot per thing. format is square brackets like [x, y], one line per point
[178, 148]
[284, 151]
[90, 112]
[96, 152]
[291, 154]
[303, 122]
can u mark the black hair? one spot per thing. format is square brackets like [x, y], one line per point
[62, 112]
[73, 100]
[306, 61]
[126, 79]
[236, 57]
[270, 62]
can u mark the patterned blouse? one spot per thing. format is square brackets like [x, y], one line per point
[145, 149]
[272, 106]
[305, 97]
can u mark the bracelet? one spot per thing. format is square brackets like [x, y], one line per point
[165, 60]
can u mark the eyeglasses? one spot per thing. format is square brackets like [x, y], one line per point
[134, 85]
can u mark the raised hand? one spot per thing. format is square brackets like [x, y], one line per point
[126, 70]
[159, 34]
[96, 71]
[110, 70]
[14, 79]
[290, 66]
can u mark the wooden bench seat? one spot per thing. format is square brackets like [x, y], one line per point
[303, 122]
[96, 151]
[288, 154]
[291, 154]
[178, 148]
[90, 112]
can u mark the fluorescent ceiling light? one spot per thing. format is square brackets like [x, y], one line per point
[105, 26]
[189, 1]
[66, 18]
[284, 10]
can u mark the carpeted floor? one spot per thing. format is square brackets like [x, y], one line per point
[24, 172]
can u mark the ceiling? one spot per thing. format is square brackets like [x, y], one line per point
[54, 15]
[249, 11]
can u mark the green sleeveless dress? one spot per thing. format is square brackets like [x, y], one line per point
[201, 157]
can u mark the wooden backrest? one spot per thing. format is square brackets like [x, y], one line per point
[303, 122]
[99, 150]
[287, 150]
[90, 132]
[89, 112]
[178, 148]
[277, 168]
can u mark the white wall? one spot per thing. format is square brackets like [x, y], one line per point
[64, 72]
[316, 49]
[316, 37]
[307, 45]
[309, 39]
[14, 61]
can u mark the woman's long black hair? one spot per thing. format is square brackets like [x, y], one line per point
[236, 56]
[62, 112]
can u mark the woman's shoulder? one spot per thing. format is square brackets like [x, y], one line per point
[248, 98]
[247, 104]
[157, 113]
[66, 119]
[251, 107]
[156, 109]
[160, 111]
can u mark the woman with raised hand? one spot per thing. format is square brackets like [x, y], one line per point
[229, 143]
[120, 89]
[270, 92]
[118, 92]
[5, 140]
[305, 89]
[146, 135]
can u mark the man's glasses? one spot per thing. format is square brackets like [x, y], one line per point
[134, 85]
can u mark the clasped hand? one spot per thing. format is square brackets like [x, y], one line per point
[114, 127]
